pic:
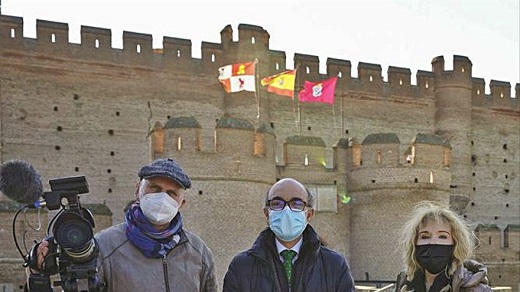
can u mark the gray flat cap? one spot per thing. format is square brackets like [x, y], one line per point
[166, 168]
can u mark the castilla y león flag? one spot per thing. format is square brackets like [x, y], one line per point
[319, 91]
[237, 77]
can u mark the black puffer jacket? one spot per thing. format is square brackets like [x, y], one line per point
[316, 269]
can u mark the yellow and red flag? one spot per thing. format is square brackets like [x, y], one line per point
[281, 84]
[238, 77]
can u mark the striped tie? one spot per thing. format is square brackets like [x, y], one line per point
[288, 255]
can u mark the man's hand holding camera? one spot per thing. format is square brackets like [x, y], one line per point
[37, 264]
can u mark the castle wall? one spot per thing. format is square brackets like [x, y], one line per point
[376, 237]
[334, 229]
[366, 178]
[499, 248]
[380, 155]
[227, 215]
[224, 205]
[89, 109]
[6, 239]
[228, 161]
[65, 114]
[185, 140]
[496, 241]
[360, 113]
[298, 155]
[430, 156]
[495, 145]
[13, 274]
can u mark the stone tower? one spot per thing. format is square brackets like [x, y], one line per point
[228, 183]
[453, 118]
[382, 181]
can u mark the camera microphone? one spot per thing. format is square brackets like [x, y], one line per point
[20, 182]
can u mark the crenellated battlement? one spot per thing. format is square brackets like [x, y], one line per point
[253, 42]
[426, 160]
[377, 161]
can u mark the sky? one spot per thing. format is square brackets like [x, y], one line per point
[401, 33]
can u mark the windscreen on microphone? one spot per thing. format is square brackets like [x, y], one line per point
[20, 182]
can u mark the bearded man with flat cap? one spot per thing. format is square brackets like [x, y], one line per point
[151, 251]
[288, 254]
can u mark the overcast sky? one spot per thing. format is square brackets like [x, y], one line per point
[402, 33]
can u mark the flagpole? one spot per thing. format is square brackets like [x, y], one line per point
[294, 104]
[257, 98]
[334, 109]
[299, 120]
[298, 113]
[334, 116]
[343, 134]
[296, 110]
[342, 120]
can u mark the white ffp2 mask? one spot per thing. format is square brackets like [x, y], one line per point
[159, 208]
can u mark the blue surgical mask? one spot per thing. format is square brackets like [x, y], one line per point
[287, 224]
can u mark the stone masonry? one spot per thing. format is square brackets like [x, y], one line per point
[89, 109]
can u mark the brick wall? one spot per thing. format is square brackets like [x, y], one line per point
[85, 111]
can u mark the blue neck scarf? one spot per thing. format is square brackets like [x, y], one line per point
[150, 241]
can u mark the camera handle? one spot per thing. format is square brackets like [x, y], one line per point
[50, 266]
[39, 283]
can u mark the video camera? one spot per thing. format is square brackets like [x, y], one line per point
[72, 247]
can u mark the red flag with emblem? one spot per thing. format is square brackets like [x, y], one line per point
[322, 91]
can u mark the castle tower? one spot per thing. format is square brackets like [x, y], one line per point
[252, 44]
[379, 183]
[224, 204]
[304, 160]
[453, 116]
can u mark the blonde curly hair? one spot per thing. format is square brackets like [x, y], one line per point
[463, 236]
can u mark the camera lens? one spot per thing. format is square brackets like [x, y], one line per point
[74, 235]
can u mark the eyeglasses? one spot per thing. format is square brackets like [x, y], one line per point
[278, 204]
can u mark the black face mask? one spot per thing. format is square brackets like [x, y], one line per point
[434, 257]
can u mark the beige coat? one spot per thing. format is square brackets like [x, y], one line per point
[189, 266]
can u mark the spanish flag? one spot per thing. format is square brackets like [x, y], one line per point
[281, 84]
